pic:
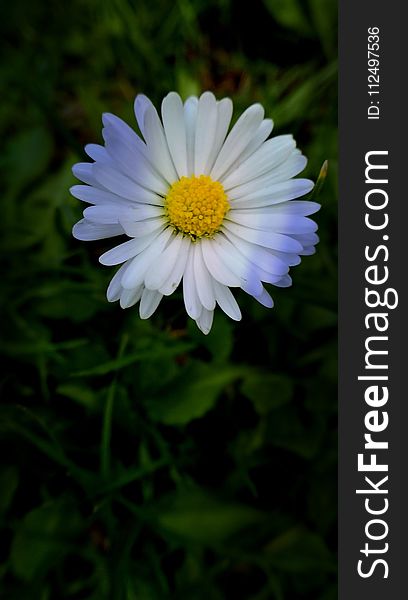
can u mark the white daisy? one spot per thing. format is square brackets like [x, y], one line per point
[213, 209]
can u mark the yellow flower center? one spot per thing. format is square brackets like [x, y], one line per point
[196, 206]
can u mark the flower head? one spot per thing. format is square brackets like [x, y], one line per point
[213, 209]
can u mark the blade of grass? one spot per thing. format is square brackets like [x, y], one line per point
[131, 475]
[105, 464]
[124, 361]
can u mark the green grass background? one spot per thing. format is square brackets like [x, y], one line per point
[142, 460]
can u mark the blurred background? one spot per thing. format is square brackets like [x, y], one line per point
[142, 460]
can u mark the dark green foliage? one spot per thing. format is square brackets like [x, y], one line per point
[143, 460]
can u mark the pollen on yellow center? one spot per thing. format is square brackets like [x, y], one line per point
[196, 206]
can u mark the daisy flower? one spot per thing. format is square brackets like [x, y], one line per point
[210, 208]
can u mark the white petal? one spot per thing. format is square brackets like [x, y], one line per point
[224, 114]
[173, 281]
[129, 298]
[238, 138]
[226, 301]
[259, 187]
[115, 288]
[271, 154]
[106, 213]
[149, 302]
[137, 229]
[86, 231]
[286, 281]
[293, 224]
[127, 250]
[142, 102]
[260, 274]
[134, 164]
[162, 267]
[307, 239]
[265, 299]
[203, 279]
[175, 130]
[118, 127]
[157, 145]
[119, 184]
[276, 241]
[292, 166]
[136, 272]
[263, 257]
[238, 264]
[253, 194]
[291, 259]
[258, 138]
[97, 152]
[190, 118]
[292, 207]
[190, 295]
[144, 211]
[281, 223]
[205, 321]
[264, 276]
[84, 172]
[93, 195]
[262, 133]
[308, 251]
[217, 267]
[205, 132]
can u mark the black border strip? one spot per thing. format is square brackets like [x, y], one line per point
[357, 136]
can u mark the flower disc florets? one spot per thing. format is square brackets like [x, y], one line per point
[196, 206]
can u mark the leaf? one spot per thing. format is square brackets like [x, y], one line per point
[286, 430]
[80, 394]
[267, 390]
[27, 156]
[55, 301]
[220, 341]
[289, 14]
[324, 18]
[314, 318]
[194, 394]
[200, 518]
[9, 477]
[299, 550]
[43, 538]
